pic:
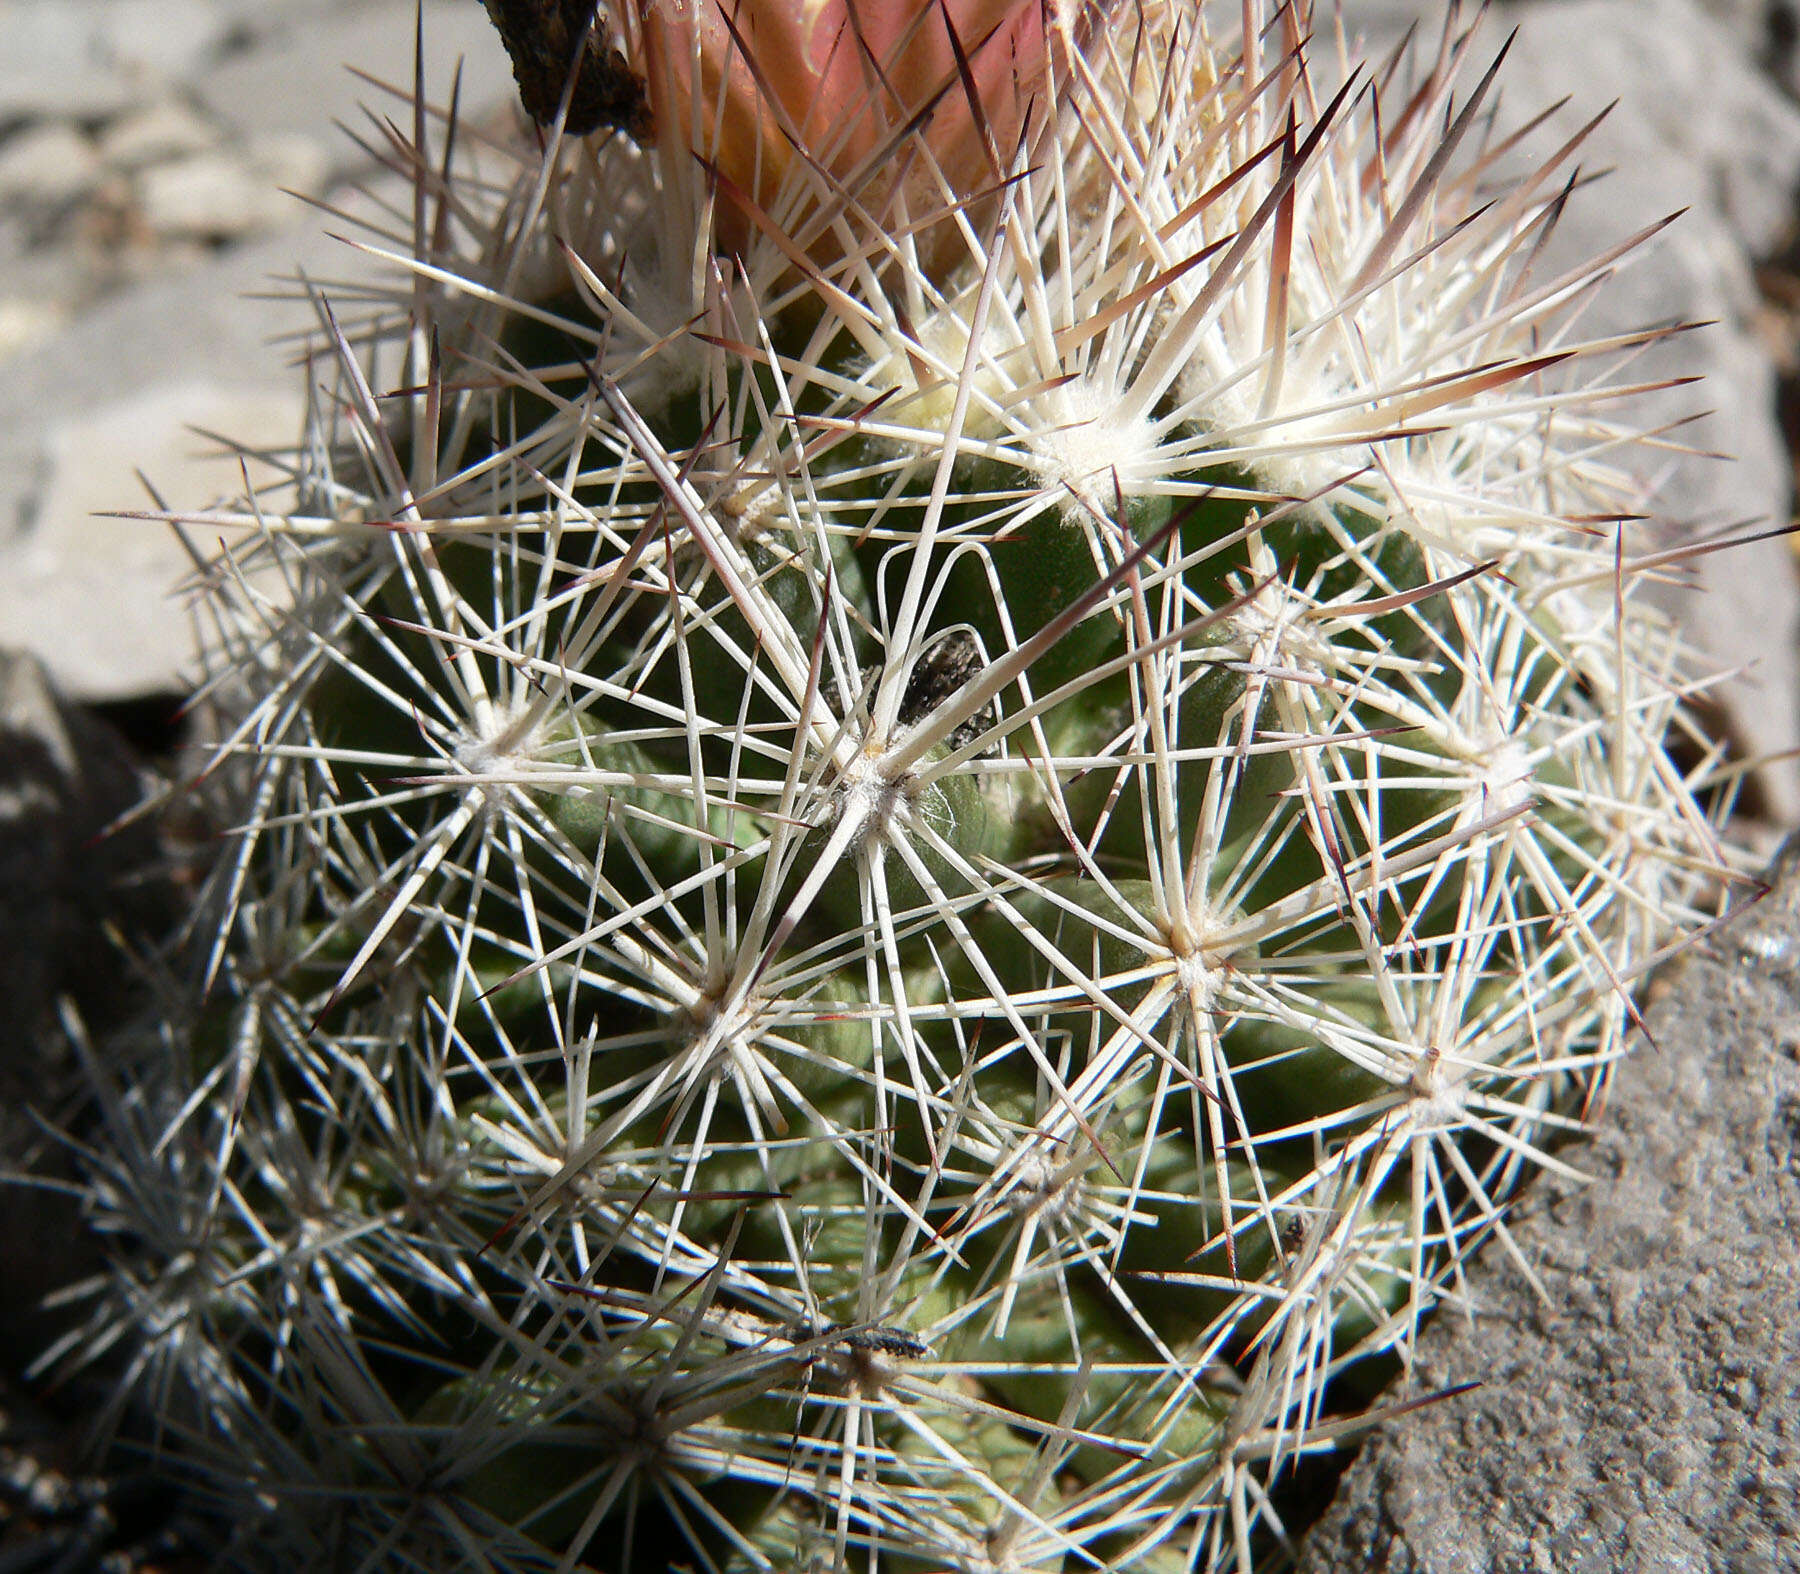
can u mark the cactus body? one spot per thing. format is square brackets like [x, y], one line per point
[889, 894]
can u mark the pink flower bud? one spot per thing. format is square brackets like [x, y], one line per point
[855, 91]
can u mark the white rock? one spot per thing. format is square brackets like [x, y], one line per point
[300, 81]
[166, 40]
[114, 391]
[114, 394]
[25, 322]
[282, 102]
[163, 130]
[212, 195]
[48, 163]
[291, 163]
[97, 596]
[52, 65]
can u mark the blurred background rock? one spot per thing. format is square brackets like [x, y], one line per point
[144, 145]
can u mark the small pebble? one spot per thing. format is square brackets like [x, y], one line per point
[48, 163]
[164, 130]
[25, 322]
[211, 196]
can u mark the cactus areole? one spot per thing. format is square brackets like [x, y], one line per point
[944, 764]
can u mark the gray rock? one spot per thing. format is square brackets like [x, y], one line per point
[1646, 1415]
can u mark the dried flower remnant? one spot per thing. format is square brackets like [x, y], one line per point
[558, 47]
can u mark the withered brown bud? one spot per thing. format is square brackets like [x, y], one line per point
[551, 39]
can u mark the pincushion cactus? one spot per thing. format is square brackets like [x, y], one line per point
[945, 765]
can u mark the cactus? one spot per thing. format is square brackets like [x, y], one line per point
[946, 762]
